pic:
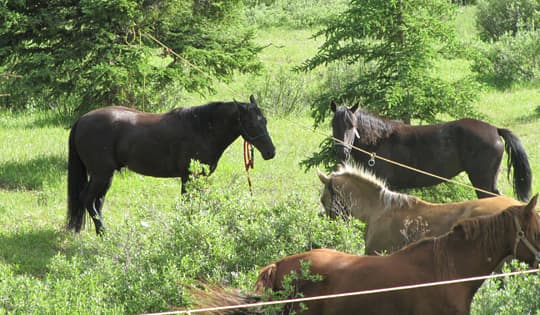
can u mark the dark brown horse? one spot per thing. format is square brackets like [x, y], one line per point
[159, 145]
[444, 149]
[473, 247]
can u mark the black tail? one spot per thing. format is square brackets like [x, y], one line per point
[77, 180]
[517, 158]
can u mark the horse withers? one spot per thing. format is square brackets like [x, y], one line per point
[393, 219]
[159, 145]
[444, 149]
[474, 247]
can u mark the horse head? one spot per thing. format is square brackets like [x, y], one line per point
[327, 195]
[344, 129]
[253, 128]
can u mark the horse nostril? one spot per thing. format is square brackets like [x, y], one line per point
[269, 155]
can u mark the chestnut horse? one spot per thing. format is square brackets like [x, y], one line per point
[394, 219]
[444, 149]
[159, 145]
[474, 247]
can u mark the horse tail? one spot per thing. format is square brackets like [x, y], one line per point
[517, 158]
[217, 297]
[77, 180]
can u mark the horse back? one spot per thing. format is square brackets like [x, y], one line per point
[106, 137]
[458, 143]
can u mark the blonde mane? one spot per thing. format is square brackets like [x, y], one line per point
[389, 198]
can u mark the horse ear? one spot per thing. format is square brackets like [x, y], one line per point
[252, 100]
[324, 179]
[333, 106]
[531, 206]
[354, 108]
[267, 279]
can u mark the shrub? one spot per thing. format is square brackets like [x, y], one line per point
[511, 295]
[498, 17]
[285, 90]
[294, 14]
[144, 264]
[512, 59]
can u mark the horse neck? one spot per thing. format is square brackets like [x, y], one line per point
[364, 198]
[223, 127]
[475, 255]
[372, 129]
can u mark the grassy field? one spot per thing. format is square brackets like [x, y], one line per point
[158, 241]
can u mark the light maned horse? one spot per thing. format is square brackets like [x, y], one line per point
[444, 149]
[394, 219]
[474, 247]
[159, 145]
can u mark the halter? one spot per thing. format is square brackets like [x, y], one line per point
[246, 135]
[520, 236]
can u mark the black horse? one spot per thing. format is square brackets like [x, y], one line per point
[159, 145]
[444, 149]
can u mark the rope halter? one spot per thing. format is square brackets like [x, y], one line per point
[520, 237]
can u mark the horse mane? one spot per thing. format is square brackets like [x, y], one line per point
[390, 199]
[204, 112]
[373, 129]
[487, 230]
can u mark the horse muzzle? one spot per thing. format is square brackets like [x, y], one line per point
[342, 151]
[269, 154]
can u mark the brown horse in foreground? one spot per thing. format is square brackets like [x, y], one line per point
[473, 247]
[394, 219]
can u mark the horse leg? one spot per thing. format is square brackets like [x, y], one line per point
[95, 196]
[184, 183]
[486, 179]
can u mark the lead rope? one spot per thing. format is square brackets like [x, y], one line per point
[248, 162]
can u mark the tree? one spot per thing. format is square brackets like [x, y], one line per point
[94, 53]
[398, 42]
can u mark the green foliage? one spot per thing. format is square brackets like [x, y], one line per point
[286, 90]
[510, 60]
[510, 295]
[293, 14]
[93, 53]
[290, 285]
[144, 263]
[464, 2]
[497, 17]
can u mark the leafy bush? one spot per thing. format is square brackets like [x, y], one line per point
[512, 59]
[510, 295]
[294, 14]
[287, 91]
[498, 17]
[144, 264]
